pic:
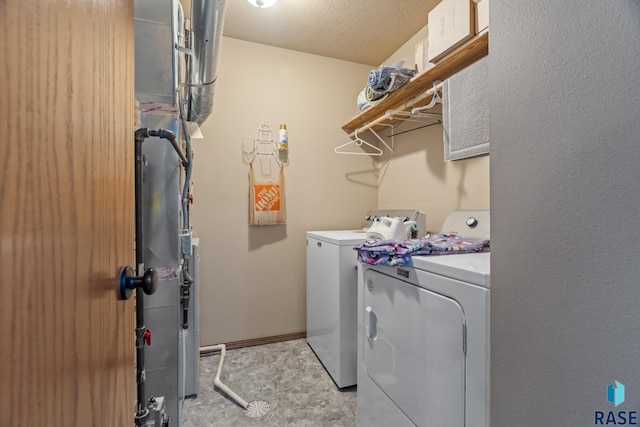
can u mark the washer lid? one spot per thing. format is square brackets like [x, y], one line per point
[470, 268]
[339, 237]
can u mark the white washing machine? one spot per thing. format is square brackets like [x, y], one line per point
[332, 277]
[423, 337]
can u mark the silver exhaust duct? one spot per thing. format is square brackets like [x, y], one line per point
[207, 19]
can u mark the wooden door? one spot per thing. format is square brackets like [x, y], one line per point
[66, 223]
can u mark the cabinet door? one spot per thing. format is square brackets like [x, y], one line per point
[413, 349]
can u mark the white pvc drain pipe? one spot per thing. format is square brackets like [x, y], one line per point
[217, 383]
[254, 409]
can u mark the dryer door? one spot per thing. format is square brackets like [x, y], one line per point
[414, 349]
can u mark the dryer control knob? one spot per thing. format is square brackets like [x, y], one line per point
[472, 222]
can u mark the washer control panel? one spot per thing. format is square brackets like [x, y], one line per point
[468, 223]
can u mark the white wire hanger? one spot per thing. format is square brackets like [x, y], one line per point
[436, 99]
[359, 142]
[412, 116]
[419, 114]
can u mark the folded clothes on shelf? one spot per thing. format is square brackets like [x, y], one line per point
[381, 82]
[381, 79]
[366, 100]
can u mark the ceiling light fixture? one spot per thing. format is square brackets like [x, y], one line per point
[262, 3]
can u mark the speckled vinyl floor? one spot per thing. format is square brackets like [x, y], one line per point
[287, 375]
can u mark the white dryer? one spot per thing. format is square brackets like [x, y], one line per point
[423, 338]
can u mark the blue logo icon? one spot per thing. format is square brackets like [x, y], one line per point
[615, 393]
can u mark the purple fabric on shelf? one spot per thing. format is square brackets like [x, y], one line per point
[399, 252]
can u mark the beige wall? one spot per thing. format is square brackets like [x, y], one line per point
[253, 281]
[415, 174]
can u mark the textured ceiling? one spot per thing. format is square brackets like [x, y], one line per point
[362, 31]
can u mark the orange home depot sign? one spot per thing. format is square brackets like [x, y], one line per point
[267, 197]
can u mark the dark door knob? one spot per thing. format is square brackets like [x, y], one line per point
[149, 282]
[127, 282]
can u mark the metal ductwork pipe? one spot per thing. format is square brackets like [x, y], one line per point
[207, 19]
